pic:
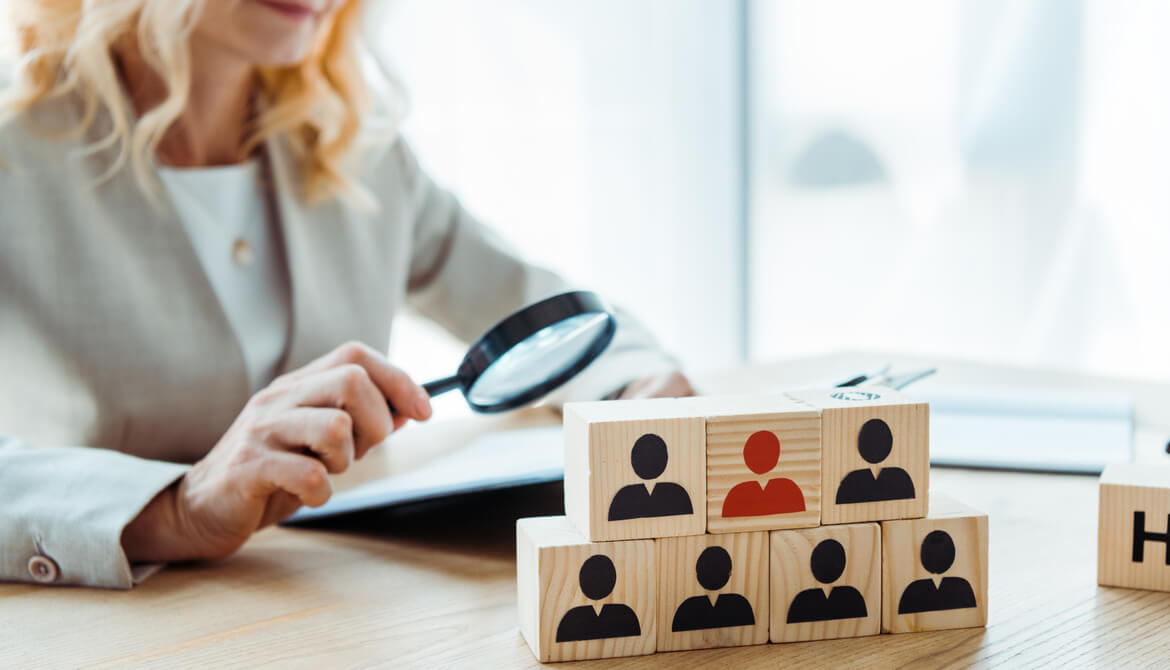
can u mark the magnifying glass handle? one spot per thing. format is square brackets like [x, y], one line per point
[436, 387]
[442, 385]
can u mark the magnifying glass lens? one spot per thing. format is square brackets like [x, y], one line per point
[543, 355]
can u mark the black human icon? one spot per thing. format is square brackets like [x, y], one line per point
[597, 578]
[636, 501]
[874, 443]
[843, 602]
[952, 593]
[713, 570]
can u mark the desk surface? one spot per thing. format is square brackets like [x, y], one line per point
[437, 587]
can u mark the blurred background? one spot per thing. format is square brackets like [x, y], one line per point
[986, 179]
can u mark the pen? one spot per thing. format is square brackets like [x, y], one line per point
[863, 377]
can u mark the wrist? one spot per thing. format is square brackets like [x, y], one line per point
[617, 393]
[152, 536]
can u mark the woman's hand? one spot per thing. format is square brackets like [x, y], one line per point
[277, 455]
[665, 385]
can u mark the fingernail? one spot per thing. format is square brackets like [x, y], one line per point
[422, 404]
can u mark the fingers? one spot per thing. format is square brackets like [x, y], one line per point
[326, 433]
[349, 388]
[299, 475]
[409, 399]
[280, 506]
[677, 386]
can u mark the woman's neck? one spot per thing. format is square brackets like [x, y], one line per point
[210, 131]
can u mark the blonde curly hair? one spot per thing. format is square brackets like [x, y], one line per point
[66, 47]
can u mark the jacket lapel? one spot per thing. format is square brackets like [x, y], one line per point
[341, 268]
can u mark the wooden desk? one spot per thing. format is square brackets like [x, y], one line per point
[437, 588]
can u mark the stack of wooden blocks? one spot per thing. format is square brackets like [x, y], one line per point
[725, 521]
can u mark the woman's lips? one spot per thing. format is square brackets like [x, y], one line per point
[290, 9]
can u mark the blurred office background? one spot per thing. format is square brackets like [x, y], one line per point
[756, 179]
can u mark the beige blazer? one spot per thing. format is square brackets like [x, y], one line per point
[118, 366]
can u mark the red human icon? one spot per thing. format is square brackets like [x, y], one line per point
[781, 495]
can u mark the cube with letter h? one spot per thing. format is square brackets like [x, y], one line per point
[635, 469]
[875, 454]
[1133, 535]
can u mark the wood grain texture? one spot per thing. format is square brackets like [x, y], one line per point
[677, 581]
[731, 421]
[436, 588]
[791, 574]
[903, 555]
[550, 553]
[843, 413]
[599, 437]
[1126, 490]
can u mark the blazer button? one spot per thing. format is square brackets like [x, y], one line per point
[242, 252]
[43, 569]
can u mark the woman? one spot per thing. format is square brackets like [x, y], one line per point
[199, 207]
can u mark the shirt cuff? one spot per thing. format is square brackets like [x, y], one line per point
[66, 509]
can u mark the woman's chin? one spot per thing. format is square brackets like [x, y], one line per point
[274, 56]
[274, 49]
[290, 58]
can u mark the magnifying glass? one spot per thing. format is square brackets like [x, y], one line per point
[532, 352]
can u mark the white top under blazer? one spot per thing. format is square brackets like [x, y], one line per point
[128, 344]
[224, 212]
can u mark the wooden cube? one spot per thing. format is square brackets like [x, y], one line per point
[1133, 527]
[934, 570]
[826, 582]
[875, 454]
[712, 591]
[763, 462]
[635, 469]
[579, 599]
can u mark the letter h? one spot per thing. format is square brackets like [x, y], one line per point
[1141, 536]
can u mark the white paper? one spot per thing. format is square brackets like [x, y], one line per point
[1055, 430]
[490, 461]
[1058, 430]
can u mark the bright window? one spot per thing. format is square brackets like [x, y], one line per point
[982, 179]
[975, 179]
[601, 137]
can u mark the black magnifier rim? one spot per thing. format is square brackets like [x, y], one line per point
[524, 324]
